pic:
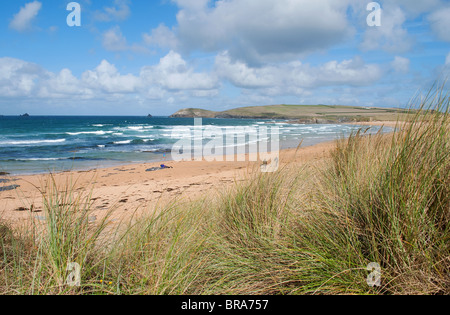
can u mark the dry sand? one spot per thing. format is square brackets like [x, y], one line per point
[392, 124]
[132, 190]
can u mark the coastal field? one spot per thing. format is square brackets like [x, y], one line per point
[314, 227]
[305, 113]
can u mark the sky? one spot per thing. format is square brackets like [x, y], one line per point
[145, 57]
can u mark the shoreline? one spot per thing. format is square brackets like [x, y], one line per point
[387, 123]
[131, 190]
[117, 164]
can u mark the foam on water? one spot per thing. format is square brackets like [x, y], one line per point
[37, 144]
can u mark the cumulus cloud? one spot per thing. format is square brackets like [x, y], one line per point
[416, 7]
[114, 40]
[161, 36]
[17, 77]
[173, 73]
[296, 77]
[391, 36]
[173, 76]
[106, 78]
[264, 30]
[259, 32]
[440, 23]
[62, 85]
[120, 11]
[401, 64]
[22, 21]
[23, 79]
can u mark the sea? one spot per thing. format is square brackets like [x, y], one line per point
[42, 144]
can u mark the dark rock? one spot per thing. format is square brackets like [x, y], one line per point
[153, 169]
[6, 188]
[25, 115]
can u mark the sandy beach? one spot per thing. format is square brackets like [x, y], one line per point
[391, 124]
[132, 190]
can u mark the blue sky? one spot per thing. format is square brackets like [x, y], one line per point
[140, 57]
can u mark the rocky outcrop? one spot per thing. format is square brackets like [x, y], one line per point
[194, 113]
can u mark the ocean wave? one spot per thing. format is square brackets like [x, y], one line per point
[136, 128]
[123, 142]
[31, 142]
[98, 133]
[134, 141]
[38, 159]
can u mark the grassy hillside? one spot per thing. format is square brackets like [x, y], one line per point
[306, 113]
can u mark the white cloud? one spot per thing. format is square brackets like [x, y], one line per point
[107, 78]
[264, 30]
[63, 85]
[19, 78]
[391, 36]
[22, 20]
[114, 40]
[173, 73]
[120, 11]
[440, 23]
[416, 7]
[401, 64]
[162, 36]
[447, 60]
[296, 77]
[259, 32]
[354, 72]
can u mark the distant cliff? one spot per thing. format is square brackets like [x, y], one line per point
[314, 114]
[194, 113]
